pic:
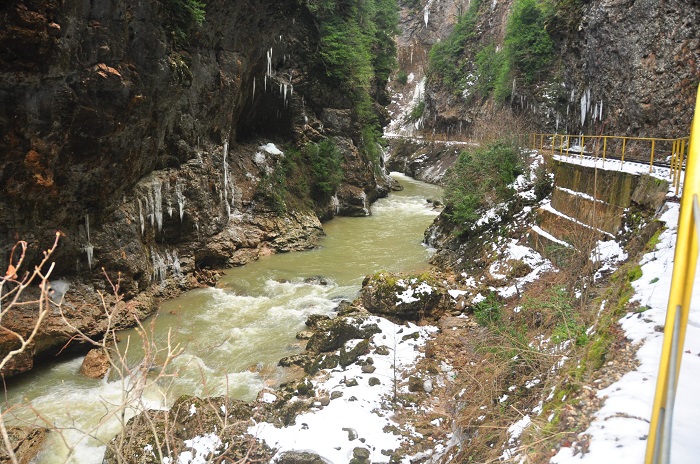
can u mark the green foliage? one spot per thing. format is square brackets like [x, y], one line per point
[326, 165]
[181, 16]
[555, 308]
[489, 311]
[544, 182]
[402, 77]
[528, 47]
[315, 171]
[489, 67]
[634, 273]
[479, 179]
[357, 52]
[447, 57]
[417, 111]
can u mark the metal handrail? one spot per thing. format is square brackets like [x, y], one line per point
[685, 259]
[602, 145]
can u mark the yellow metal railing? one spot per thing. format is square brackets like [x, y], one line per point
[685, 258]
[652, 150]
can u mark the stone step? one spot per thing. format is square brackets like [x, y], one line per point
[549, 246]
[587, 210]
[567, 229]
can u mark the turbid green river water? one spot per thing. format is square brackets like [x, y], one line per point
[233, 335]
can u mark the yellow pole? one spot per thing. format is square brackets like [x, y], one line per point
[622, 158]
[583, 144]
[651, 159]
[605, 145]
[680, 168]
[561, 144]
[674, 160]
[685, 259]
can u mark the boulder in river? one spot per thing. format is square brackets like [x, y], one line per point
[96, 364]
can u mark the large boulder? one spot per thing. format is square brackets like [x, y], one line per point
[404, 297]
[96, 364]
[332, 334]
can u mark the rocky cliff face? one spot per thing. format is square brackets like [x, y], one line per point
[620, 67]
[145, 138]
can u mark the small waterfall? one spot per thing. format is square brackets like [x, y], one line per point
[364, 203]
[335, 204]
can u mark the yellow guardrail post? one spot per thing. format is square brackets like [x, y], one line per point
[651, 158]
[685, 259]
[680, 167]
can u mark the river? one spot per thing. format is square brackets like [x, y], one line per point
[232, 335]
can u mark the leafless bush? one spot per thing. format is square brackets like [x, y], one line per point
[151, 374]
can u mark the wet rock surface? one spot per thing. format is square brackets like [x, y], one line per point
[26, 443]
[96, 364]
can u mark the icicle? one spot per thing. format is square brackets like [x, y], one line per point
[180, 198]
[160, 271]
[265, 82]
[426, 12]
[584, 106]
[141, 221]
[158, 203]
[89, 249]
[600, 111]
[177, 270]
[225, 186]
[285, 95]
[269, 62]
[335, 204]
[253, 87]
[149, 207]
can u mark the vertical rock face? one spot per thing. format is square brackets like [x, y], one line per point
[618, 66]
[137, 133]
[147, 138]
[640, 61]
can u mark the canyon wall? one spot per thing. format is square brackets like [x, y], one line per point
[154, 140]
[623, 67]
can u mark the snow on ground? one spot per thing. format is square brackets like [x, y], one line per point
[620, 428]
[360, 417]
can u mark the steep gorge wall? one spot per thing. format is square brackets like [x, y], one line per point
[143, 137]
[626, 67]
